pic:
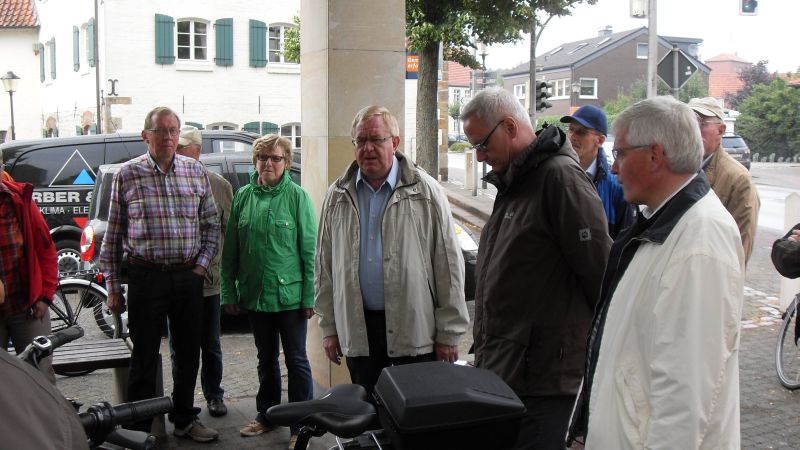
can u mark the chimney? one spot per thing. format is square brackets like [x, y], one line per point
[605, 31]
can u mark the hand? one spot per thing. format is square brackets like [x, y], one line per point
[116, 303]
[232, 310]
[309, 312]
[199, 270]
[2, 292]
[39, 309]
[332, 349]
[795, 236]
[446, 353]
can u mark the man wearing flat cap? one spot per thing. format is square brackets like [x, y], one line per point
[587, 132]
[190, 145]
[730, 180]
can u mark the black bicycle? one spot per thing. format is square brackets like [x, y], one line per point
[787, 352]
[422, 406]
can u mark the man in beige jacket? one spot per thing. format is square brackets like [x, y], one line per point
[730, 180]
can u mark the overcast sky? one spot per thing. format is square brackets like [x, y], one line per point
[770, 35]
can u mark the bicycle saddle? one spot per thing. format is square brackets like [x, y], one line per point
[343, 411]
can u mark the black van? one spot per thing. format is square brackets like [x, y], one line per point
[63, 173]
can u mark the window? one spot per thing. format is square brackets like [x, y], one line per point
[588, 88]
[602, 42]
[561, 88]
[222, 126]
[227, 145]
[555, 51]
[641, 50]
[243, 172]
[276, 35]
[292, 132]
[192, 40]
[578, 47]
[519, 92]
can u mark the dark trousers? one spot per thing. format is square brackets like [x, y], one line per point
[152, 297]
[290, 327]
[544, 425]
[210, 350]
[364, 370]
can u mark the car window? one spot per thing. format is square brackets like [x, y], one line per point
[243, 172]
[733, 142]
[230, 145]
[103, 196]
[60, 167]
[118, 152]
[216, 168]
[295, 174]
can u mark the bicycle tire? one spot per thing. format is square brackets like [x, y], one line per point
[61, 315]
[787, 352]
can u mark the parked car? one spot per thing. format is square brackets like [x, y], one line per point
[236, 168]
[453, 138]
[63, 172]
[737, 148]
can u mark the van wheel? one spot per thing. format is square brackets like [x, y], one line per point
[68, 256]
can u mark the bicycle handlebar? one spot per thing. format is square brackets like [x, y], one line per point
[42, 346]
[101, 419]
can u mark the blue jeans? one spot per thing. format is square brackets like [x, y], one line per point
[210, 350]
[290, 327]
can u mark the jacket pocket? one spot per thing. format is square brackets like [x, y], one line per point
[285, 232]
[633, 410]
[290, 289]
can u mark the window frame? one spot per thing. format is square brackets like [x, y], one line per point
[192, 40]
[640, 45]
[520, 92]
[295, 135]
[281, 39]
[561, 88]
[594, 83]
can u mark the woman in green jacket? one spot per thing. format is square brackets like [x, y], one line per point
[268, 272]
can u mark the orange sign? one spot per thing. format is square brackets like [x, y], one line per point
[412, 63]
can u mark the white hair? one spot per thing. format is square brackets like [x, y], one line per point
[493, 104]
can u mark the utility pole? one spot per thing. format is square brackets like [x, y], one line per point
[97, 65]
[652, 48]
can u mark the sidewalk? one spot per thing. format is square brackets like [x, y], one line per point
[472, 211]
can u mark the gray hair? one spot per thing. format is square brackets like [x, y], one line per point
[493, 104]
[369, 112]
[668, 122]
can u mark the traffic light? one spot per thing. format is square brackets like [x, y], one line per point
[748, 7]
[543, 91]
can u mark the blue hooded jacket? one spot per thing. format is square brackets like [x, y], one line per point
[618, 212]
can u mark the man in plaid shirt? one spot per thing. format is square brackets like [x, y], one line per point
[163, 222]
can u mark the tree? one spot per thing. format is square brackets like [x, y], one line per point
[750, 76]
[455, 25]
[291, 41]
[542, 12]
[769, 119]
[454, 111]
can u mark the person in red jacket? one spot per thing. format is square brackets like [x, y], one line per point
[28, 269]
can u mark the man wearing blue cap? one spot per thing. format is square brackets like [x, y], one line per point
[587, 132]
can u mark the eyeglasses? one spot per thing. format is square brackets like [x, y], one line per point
[619, 152]
[361, 142]
[174, 132]
[705, 122]
[274, 158]
[580, 131]
[481, 146]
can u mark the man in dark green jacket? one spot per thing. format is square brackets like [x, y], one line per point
[540, 263]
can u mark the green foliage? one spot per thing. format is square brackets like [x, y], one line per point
[695, 87]
[550, 120]
[459, 147]
[454, 111]
[291, 41]
[751, 77]
[770, 117]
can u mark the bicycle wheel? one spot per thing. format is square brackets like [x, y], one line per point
[60, 314]
[787, 353]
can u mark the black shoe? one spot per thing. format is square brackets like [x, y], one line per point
[217, 408]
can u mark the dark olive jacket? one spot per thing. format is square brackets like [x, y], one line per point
[540, 266]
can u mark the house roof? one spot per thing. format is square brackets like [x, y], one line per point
[18, 14]
[728, 57]
[577, 53]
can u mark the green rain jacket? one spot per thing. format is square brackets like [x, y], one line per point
[268, 257]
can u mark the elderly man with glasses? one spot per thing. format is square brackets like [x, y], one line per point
[164, 221]
[389, 275]
[730, 180]
[663, 357]
[587, 132]
[540, 263]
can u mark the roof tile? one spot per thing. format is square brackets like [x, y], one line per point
[18, 14]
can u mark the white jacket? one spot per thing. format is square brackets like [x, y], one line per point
[668, 367]
[423, 272]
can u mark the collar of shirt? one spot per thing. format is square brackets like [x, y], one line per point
[706, 160]
[648, 213]
[592, 170]
[391, 179]
[154, 164]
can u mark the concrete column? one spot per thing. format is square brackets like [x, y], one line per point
[790, 287]
[352, 56]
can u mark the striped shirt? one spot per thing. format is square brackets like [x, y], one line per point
[164, 218]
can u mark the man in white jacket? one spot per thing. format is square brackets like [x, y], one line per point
[663, 357]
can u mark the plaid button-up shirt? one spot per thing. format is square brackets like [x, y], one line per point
[162, 217]
[12, 256]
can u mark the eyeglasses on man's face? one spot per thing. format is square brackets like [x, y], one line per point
[481, 146]
[706, 122]
[274, 158]
[619, 152]
[174, 132]
[581, 131]
[361, 142]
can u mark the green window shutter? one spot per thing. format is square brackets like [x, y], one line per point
[93, 129]
[76, 48]
[165, 39]
[78, 130]
[195, 124]
[41, 63]
[53, 58]
[224, 30]
[91, 55]
[258, 43]
[251, 127]
[269, 128]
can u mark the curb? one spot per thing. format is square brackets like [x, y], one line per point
[466, 206]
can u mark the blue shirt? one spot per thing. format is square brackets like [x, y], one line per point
[371, 206]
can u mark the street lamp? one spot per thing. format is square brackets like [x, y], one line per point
[10, 85]
[483, 52]
[576, 89]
